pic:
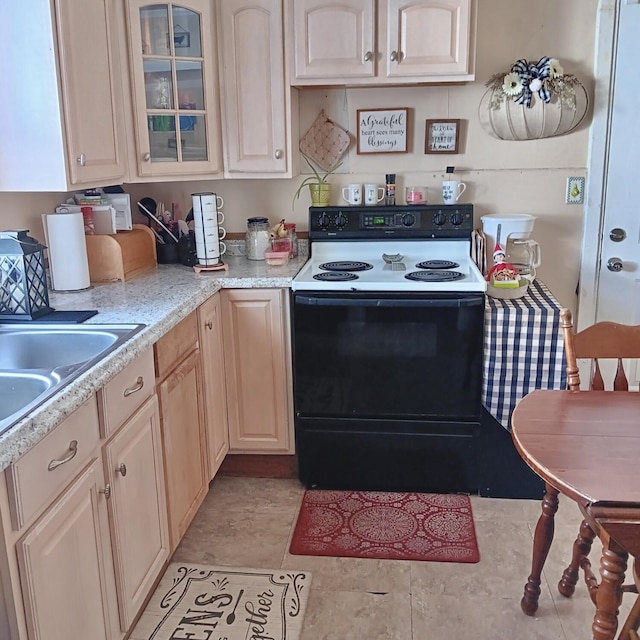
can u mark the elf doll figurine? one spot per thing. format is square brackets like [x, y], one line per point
[501, 270]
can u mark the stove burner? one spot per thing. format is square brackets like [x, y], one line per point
[434, 276]
[335, 276]
[346, 265]
[437, 264]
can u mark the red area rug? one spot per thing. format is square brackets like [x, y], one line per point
[389, 526]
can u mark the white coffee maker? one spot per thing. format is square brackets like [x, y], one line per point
[513, 233]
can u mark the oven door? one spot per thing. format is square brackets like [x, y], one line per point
[409, 356]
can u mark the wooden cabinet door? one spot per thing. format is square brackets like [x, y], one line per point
[334, 40]
[257, 364]
[66, 566]
[63, 110]
[184, 444]
[428, 38]
[213, 382]
[137, 508]
[255, 99]
[87, 50]
[174, 88]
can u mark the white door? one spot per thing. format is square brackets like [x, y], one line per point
[618, 295]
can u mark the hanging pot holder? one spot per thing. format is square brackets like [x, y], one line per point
[325, 142]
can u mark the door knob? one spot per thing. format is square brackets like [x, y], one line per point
[617, 234]
[81, 160]
[278, 154]
[368, 56]
[614, 264]
[394, 56]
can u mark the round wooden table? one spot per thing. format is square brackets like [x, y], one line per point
[585, 445]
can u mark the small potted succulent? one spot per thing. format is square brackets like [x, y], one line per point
[319, 186]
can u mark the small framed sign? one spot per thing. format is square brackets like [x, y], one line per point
[442, 136]
[382, 130]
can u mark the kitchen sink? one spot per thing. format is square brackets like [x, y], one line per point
[37, 361]
[19, 390]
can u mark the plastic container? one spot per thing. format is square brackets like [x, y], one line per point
[257, 238]
[276, 258]
[293, 237]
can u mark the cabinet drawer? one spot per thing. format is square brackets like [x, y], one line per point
[122, 395]
[40, 474]
[175, 345]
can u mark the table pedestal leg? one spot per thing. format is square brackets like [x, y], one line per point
[609, 596]
[541, 544]
[581, 549]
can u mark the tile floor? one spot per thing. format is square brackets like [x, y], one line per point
[248, 522]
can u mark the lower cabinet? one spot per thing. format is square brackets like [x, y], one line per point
[137, 508]
[83, 525]
[66, 568]
[179, 388]
[213, 382]
[257, 368]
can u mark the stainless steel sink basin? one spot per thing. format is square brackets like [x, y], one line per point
[38, 360]
[20, 390]
[51, 348]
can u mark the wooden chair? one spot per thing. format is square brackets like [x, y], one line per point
[610, 341]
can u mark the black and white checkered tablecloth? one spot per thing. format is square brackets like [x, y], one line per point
[523, 350]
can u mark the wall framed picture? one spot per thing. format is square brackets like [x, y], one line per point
[382, 130]
[442, 136]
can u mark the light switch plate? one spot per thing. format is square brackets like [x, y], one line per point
[575, 190]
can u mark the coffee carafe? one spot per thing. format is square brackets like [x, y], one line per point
[513, 233]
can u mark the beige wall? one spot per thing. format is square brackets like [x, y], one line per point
[502, 177]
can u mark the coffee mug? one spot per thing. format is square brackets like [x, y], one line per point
[204, 201]
[373, 194]
[207, 219]
[352, 194]
[452, 190]
[222, 233]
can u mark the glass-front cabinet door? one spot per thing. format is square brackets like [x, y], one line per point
[175, 95]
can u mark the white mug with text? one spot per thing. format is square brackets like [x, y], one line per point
[452, 190]
[352, 194]
[373, 194]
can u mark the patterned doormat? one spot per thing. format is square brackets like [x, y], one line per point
[224, 603]
[385, 525]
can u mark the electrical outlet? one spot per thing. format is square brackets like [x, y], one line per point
[575, 190]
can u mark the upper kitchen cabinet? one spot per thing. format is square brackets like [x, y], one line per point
[259, 122]
[173, 66]
[382, 42]
[62, 107]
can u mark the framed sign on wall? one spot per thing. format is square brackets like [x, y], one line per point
[442, 136]
[382, 130]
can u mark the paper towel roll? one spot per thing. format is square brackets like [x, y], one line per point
[68, 263]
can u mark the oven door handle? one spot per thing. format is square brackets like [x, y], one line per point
[471, 301]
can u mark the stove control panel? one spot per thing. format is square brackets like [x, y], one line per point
[400, 221]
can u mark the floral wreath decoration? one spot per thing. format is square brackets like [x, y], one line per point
[545, 78]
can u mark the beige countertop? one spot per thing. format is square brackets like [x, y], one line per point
[159, 300]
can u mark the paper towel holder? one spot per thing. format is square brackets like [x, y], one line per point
[23, 278]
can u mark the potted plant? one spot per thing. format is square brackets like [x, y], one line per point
[319, 186]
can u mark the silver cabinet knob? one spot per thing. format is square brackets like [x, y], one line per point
[146, 157]
[394, 56]
[614, 264]
[122, 469]
[368, 56]
[106, 491]
[81, 160]
[278, 154]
